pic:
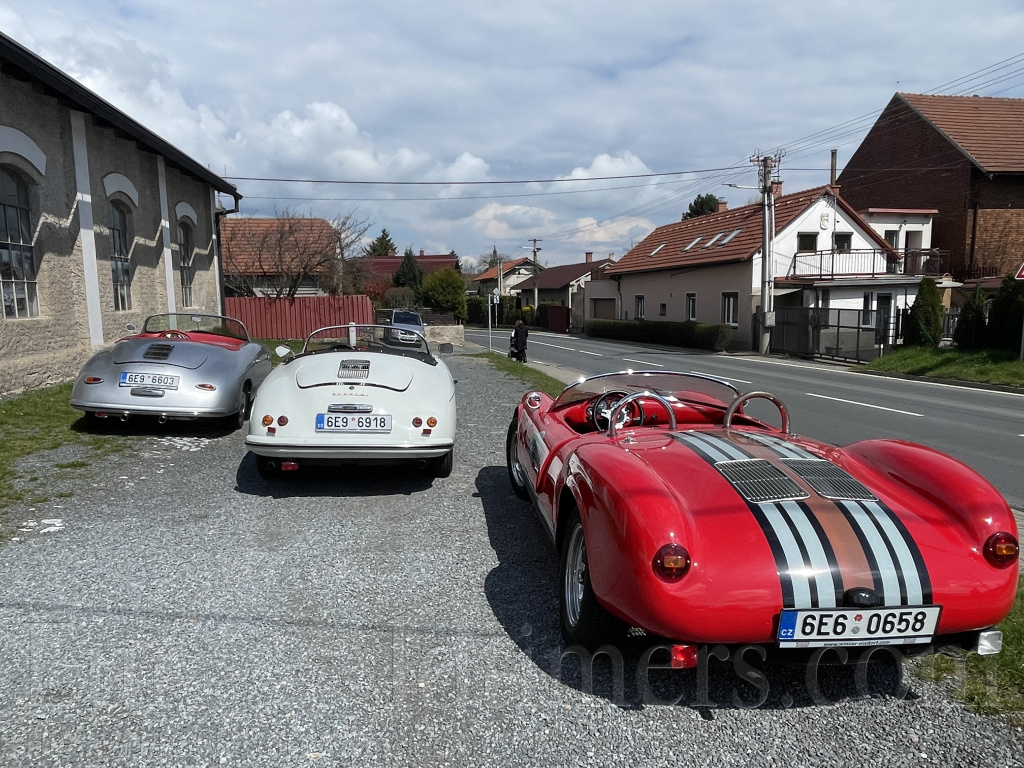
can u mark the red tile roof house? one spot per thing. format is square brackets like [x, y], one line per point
[515, 275]
[386, 266]
[962, 156]
[563, 285]
[708, 269]
[280, 257]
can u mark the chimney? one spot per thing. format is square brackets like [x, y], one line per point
[421, 253]
[776, 188]
[590, 256]
[723, 205]
[832, 176]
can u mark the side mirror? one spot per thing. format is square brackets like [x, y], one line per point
[282, 351]
[445, 349]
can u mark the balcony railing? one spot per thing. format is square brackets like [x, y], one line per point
[869, 263]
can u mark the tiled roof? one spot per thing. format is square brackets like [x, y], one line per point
[989, 130]
[251, 246]
[717, 238]
[506, 266]
[431, 262]
[554, 278]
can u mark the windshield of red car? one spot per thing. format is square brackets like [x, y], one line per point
[687, 387]
[216, 325]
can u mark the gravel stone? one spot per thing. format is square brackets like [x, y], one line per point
[179, 610]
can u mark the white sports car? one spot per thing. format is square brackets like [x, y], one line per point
[355, 394]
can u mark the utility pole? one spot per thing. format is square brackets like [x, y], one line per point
[765, 167]
[535, 240]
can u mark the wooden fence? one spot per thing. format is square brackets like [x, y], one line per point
[273, 318]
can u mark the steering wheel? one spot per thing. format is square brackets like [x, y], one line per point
[606, 403]
[628, 403]
[739, 402]
[174, 335]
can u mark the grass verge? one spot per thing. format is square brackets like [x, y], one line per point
[988, 684]
[42, 420]
[986, 366]
[533, 378]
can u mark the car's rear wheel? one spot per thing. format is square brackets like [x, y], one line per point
[584, 621]
[443, 464]
[237, 419]
[516, 473]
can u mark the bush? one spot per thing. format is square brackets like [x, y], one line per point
[476, 309]
[970, 330]
[924, 323]
[398, 298]
[713, 336]
[445, 291]
[542, 313]
[1006, 317]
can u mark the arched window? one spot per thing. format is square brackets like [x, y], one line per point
[186, 251]
[120, 269]
[18, 268]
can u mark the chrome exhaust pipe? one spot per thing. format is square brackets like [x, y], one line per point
[124, 417]
[422, 463]
[161, 419]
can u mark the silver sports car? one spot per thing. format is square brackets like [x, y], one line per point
[179, 366]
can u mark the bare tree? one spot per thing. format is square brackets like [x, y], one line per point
[278, 256]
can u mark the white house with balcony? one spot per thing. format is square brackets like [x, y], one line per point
[708, 269]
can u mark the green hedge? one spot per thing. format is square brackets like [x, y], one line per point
[715, 337]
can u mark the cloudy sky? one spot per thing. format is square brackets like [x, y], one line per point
[670, 97]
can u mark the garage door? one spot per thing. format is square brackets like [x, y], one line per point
[604, 309]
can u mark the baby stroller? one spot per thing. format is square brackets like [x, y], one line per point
[514, 353]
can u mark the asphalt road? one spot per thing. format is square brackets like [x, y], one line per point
[981, 427]
[180, 610]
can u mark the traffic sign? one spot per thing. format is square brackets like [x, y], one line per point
[1020, 273]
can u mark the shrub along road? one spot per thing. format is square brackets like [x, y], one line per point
[180, 610]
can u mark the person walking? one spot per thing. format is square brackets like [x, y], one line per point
[519, 335]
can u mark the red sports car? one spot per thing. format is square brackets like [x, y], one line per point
[675, 512]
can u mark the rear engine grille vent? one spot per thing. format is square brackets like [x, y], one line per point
[158, 351]
[354, 369]
[828, 480]
[758, 481]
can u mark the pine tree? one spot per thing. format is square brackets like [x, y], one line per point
[970, 330]
[924, 323]
[410, 272]
[382, 245]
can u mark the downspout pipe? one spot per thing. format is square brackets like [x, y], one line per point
[218, 215]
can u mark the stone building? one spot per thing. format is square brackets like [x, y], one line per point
[102, 223]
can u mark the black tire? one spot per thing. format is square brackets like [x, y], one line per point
[443, 464]
[237, 419]
[516, 473]
[584, 621]
[267, 467]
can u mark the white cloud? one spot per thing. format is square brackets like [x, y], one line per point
[450, 91]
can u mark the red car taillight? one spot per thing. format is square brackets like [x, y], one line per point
[1001, 550]
[671, 562]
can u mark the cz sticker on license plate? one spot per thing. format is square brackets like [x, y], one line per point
[350, 422]
[825, 627]
[157, 380]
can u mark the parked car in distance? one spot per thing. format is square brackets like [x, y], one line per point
[356, 394]
[406, 325]
[179, 366]
[674, 511]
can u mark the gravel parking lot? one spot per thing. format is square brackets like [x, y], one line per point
[181, 610]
